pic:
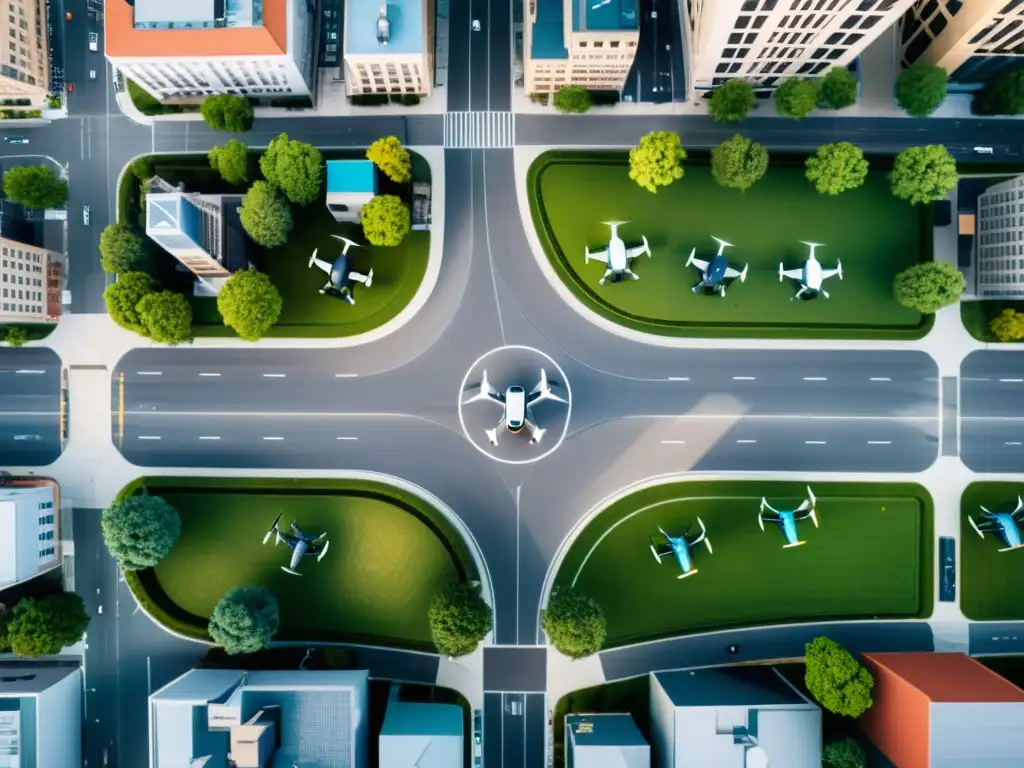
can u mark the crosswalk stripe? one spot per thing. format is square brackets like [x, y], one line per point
[479, 130]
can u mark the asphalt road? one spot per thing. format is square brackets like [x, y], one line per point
[514, 730]
[992, 411]
[30, 382]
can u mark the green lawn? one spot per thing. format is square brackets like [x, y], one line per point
[874, 234]
[871, 558]
[389, 556]
[976, 316]
[989, 579]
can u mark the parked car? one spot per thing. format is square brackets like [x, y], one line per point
[476, 25]
[17, 140]
[983, 150]
[92, 74]
[85, 215]
[94, 41]
[71, 87]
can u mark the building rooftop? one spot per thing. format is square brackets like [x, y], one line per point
[733, 687]
[548, 31]
[348, 176]
[604, 16]
[606, 730]
[949, 677]
[30, 678]
[405, 27]
[200, 28]
[421, 735]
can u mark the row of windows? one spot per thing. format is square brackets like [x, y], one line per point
[22, 280]
[46, 552]
[22, 308]
[46, 536]
[611, 43]
[15, 253]
[986, 253]
[46, 519]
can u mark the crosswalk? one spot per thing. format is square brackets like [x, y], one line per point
[479, 130]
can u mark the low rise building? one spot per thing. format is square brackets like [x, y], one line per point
[420, 734]
[40, 715]
[999, 240]
[389, 47]
[29, 531]
[603, 741]
[30, 277]
[351, 184]
[579, 42]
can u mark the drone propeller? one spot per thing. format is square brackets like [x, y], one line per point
[323, 551]
[273, 528]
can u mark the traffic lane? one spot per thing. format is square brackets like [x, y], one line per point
[536, 717]
[30, 390]
[764, 644]
[992, 384]
[992, 444]
[989, 638]
[479, 55]
[459, 41]
[499, 53]
[29, 439]
[493, 720]
[28, 369]
[513, 731]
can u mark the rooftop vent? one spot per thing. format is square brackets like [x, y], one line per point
[383, 26]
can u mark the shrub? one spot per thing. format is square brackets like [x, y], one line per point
[1003, 95]
[657, 161]
[231, 161]
[574, 623]
[225, 112]
[385, 220]
[166, 317]
[572, 99]
[847, 753]
[835, 679]
[245, 620]
[738, 163]
[122, 250]
[45, 627]
[393, 160]
[929, 287]
[16, 336]
[265, 215]
[249, 303]
[795, 98]
[731, 101]
[1008, 325]
[921, 89]
[297, 169]
[837, 89]
[460, 619]
[923, 174]
[122, 299]
[835, 168]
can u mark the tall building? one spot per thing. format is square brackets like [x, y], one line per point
[973, 40]
[212, 718]
[389, 47]
[40, 716]
[29, 532]
[767, 41]
[579, 42]
[420, 734]
[30, 278]
[999, 240]
[187, 49]
[942, 710]
[602, 741]
[25, 69]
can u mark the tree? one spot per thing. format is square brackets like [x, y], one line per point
[796, 98]
[225, 112]
[923, 174]
[847, 753]
[835, 679]
[231, 161]
[572, 99]
[265, 215]
[574, 623]
[143, 168]
[657, 160]
[166, 317]
[46, 626]
[122, 299]
[731, 101]
[249, 303]
[1008, 325]
[245, 620]
[297, 169]
[16, 336]
[1002, 95]
[929, 287]
[394, 161]
[738, 163]
[459, 619]
[122, 250]
[385, 220]
[837, 89]
[140, 531]
[835, 168]
[35, 186]
[921, 89]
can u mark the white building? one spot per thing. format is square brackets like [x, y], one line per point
[389, 47]
[999, 240]
[420, 734]
[40, 716]
[767, 41]
[30, 279]
[29, 532]
[188, 49]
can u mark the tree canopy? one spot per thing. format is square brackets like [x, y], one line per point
[657, 160]
[265, 215]
[921, 89]
[122, 299]
[35, 186]
[385, 220]
[225, 112]
[143, 168]
[231, 161]
[46, 626]
[835, 679]
[572, 99]
[846, 753]
[166, 317]
[249, 303]
[16, 335]
[835, 168]
[731, 101]
[245, 620]
[122, 250]
[837, 89]
[393, 160]
[929, 287]
[574, 623]
[796, 98]
[297, 169]
[1008, 325]
[459, 619]
[140, 530]
[738, 163]
[1002, 95]
[923, 174]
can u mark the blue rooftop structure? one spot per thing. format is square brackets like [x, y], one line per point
[548, 31]
[404, 28]
[605, 741]
[420, 735]
[351, 176]
[604, 16]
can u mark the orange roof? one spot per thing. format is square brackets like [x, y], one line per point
[949, 677]
[123, 40]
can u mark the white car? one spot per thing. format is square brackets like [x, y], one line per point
[476, 25]
[94, 41]
[983, 150]
[85, 215]
[92, 74]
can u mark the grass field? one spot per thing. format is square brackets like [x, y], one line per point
[389, 555]
[397, 272]
[989, 579]
[874, 234]
[871, 558]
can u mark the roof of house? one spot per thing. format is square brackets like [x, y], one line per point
[122, 39]
[949, 677]
[731, 687]
[349, 176]
[30, 678]
[604, 15]
[406, 21]
[548, 31]
[606, 741]
[421, 735]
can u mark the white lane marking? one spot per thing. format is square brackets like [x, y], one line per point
[209, 374]
[673, 442]
[273, 438]
[347, 438]
[678, 378]
[815, 378]
[744, 378]
[879, 442]
[274, 375]
[345, 375]
[814, 442]
[971, 378]
[1013, 443]
[880, 378]
[1012, 381]
[209, 437]
[746, 441]
[149, 437]
[149, 373]
[29, 371]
